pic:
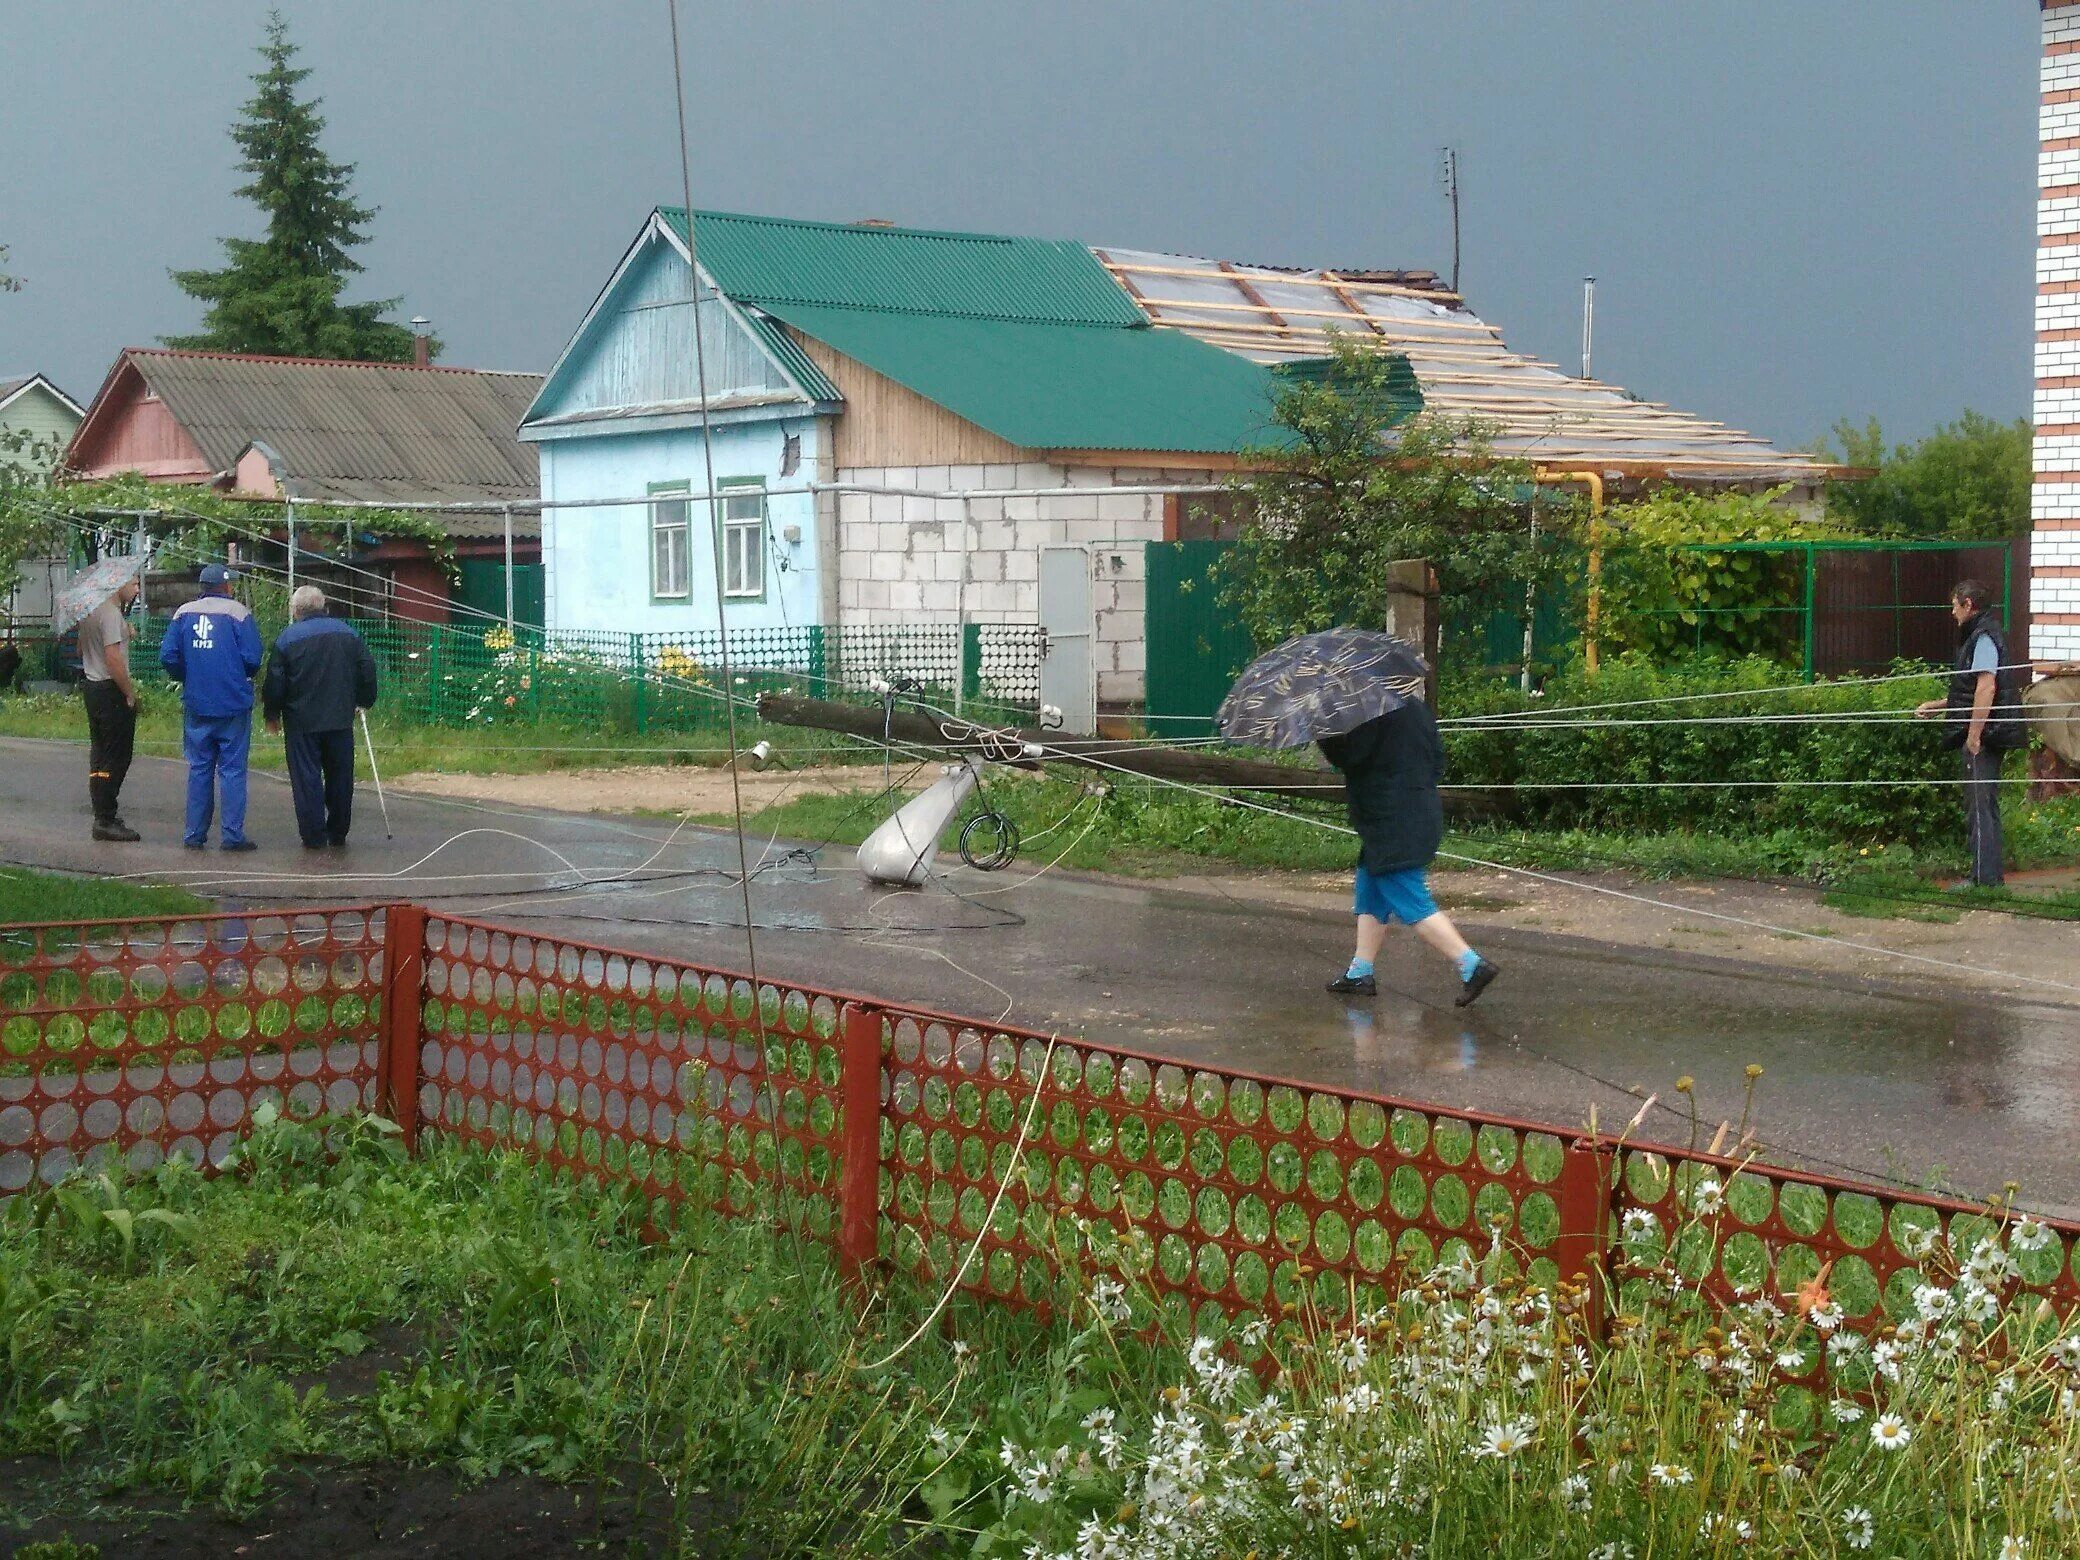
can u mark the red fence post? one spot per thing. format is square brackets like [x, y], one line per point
[404, 979]
[1583, 1250]
[859, 1184]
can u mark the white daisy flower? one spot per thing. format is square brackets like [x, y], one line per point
[1890, 1433]
[1670, 1474]
[1846, 1411]
[1707, 1197]
[2029, 1235]
[1574, 1490]
[1858, 1530]
[2013, 1548]
[1504, 1440]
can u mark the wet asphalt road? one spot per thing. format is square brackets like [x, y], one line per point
[1895, 1080]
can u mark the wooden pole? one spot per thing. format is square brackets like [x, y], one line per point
[1185, 766]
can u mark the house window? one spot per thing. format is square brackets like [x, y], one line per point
[668, 543]
[744, 542]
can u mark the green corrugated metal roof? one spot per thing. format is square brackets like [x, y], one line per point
[815, 385]
[1399, 399]
[1045, 386]
[773, 260]
[1030, 339]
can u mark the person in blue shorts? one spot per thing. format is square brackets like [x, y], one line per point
[1391, 768]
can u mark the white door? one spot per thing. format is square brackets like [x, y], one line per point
[1068, 651]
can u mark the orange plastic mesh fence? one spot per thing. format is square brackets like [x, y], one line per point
[134, 1041]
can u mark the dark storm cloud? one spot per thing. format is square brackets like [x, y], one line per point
[1796, 209]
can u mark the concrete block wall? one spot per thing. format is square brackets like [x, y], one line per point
[900, 556]
[2055, 499]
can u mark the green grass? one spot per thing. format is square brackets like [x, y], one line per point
[46, 896]
[469, 1310]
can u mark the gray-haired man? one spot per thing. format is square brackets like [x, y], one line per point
[319, 674]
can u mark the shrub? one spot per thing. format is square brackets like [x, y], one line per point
[1637, 767]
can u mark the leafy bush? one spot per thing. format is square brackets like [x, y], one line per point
[1663, 594]
[1640, 767]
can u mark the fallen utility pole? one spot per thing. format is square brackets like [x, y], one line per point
[1031, 746]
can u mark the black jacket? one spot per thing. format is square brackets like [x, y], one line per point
[319, 674]
[2006, 725]
[1391, 769]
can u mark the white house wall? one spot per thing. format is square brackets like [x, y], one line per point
[899, 558]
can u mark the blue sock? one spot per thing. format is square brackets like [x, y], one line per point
[1469, 961]
[1359, 969]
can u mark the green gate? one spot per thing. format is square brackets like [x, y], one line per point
[482, 588]
[1195, 646]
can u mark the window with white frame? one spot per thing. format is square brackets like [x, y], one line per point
[668, 543]
[744, 542]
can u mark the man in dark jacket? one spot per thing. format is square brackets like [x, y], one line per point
[1982, 717]
[1391, 768]
[319, 675]
[212, 649]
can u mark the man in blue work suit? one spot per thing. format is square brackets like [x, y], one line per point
[212, 649]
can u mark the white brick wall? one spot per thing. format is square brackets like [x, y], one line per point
[2054, 641]
[2059, 72]
[2057, 359]
[2056, 406]
[906, 561]
[2058, 216]
[2055, 549]
[2058, 121]
[2055, 501]
[2058, 311]
[2059, 167]
[2062, 25]
[2060, 263]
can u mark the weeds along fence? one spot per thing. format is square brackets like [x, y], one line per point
[943, 1146]
[638, 684]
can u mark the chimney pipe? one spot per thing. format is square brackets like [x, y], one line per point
[422, 341]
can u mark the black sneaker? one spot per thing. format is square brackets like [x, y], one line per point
[117, 831]
[194, 845]
[238, 845]
[1473, 985]
[1353, 986]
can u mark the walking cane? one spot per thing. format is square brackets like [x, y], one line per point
[381, 800]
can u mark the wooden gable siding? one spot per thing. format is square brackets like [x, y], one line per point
[638, 351]
[133, 431]
[885, 424]
[40, 415]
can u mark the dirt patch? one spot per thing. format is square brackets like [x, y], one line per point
[652, 788]
[379, 1512]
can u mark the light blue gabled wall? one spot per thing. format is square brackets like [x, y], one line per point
[598, 559]
[634, 361]
[637, 350]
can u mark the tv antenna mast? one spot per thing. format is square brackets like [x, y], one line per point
[1448, 176]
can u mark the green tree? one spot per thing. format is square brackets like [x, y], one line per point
[1351, 488]
[8, 281]
[1969, 479]
[281, 293]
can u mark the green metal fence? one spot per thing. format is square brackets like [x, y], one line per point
[487, 676]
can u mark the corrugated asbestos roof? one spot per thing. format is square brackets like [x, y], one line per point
[1030, 339]
[1274, 315]
[774, 261]
[372, 431]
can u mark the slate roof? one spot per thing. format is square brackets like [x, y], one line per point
[385, 432]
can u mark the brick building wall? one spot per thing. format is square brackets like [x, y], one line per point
[2055, 506]
[899, 556]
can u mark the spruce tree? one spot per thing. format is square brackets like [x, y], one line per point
[281, 293]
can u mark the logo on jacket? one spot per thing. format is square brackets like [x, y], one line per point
[205, 632]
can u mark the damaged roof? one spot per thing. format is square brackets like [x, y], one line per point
[1273, 315]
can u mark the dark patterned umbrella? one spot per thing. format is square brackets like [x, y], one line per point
[1320, 685]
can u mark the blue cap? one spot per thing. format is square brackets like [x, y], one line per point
[215, 574]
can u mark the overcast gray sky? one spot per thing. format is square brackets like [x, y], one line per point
[1796, 209]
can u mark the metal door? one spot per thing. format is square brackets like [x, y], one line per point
[1068, 643]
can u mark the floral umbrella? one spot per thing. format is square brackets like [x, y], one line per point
[93, 585]
[1320, 685]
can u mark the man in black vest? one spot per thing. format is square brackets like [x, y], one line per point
[1982, 716]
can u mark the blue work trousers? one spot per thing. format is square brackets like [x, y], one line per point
[216, 747]
[321, 779]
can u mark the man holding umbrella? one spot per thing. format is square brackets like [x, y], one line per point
[98, 600]
[1358, 696]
